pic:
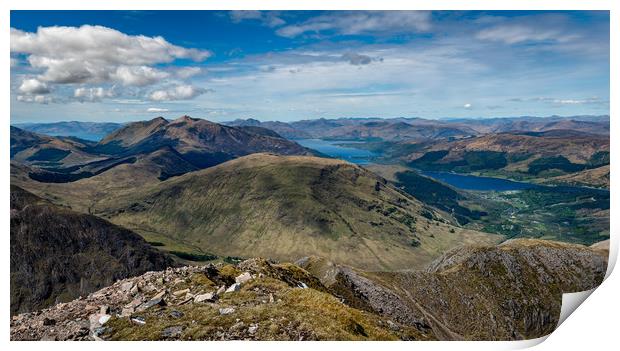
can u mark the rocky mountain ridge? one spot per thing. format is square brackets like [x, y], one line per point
[506, 292]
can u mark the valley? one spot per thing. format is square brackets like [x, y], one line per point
[570, 213]
[202, 193]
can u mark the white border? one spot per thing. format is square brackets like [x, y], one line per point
[593, 326]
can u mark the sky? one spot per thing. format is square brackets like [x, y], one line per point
[122, 66]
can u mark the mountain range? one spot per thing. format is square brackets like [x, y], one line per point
[92, 131]
[386, 129]
[173, 146]
[419, 129]
[389, 253]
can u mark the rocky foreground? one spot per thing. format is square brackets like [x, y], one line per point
[510, 291]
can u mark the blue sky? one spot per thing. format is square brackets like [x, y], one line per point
[292, 65]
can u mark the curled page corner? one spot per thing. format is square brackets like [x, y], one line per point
[523, 344]
[613, 255]
[570, 302]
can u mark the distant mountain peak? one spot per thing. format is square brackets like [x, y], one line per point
[186, 118]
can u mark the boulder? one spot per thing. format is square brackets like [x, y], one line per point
[210, 296]
[104, 319]
[233, 288]
[139, 320]
[227, 310]
[127, 286]
[172, 332]
[127, 311]
[153, 302]
[180, 292]
[243, 278]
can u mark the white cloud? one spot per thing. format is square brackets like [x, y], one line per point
[238, 16]
[39, 99]
[541, 28]
[563, 101]
[362, 22]
[92, 94]
[156, 109]
[187, 72]
[95, 54]
[518, 33]
[33, 86]
[578, 101]
[268, 18]
[138, 76]
[467, 105]
[179, 92]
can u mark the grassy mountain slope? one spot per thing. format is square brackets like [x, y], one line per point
[597, 177]
[58, 255]
[288, 207]
[505, 292]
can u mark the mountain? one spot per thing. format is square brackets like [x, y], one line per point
[285, 207]
[58, 255]
[199, 141]
[394, 131]
[420, 129]
[588, 124]
[520, 155]
[597, 177]
[34, 148]
[282, 128]
[507, 292]
[363, 129]
[92, 131]
[174, 147]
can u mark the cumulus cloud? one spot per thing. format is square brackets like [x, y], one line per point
[92, 94]
[157, 110]
[361, 22]
[267, 18]
[138, 76]
[33, 86]
[179, 92]
[468, 105]
[95, 54]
